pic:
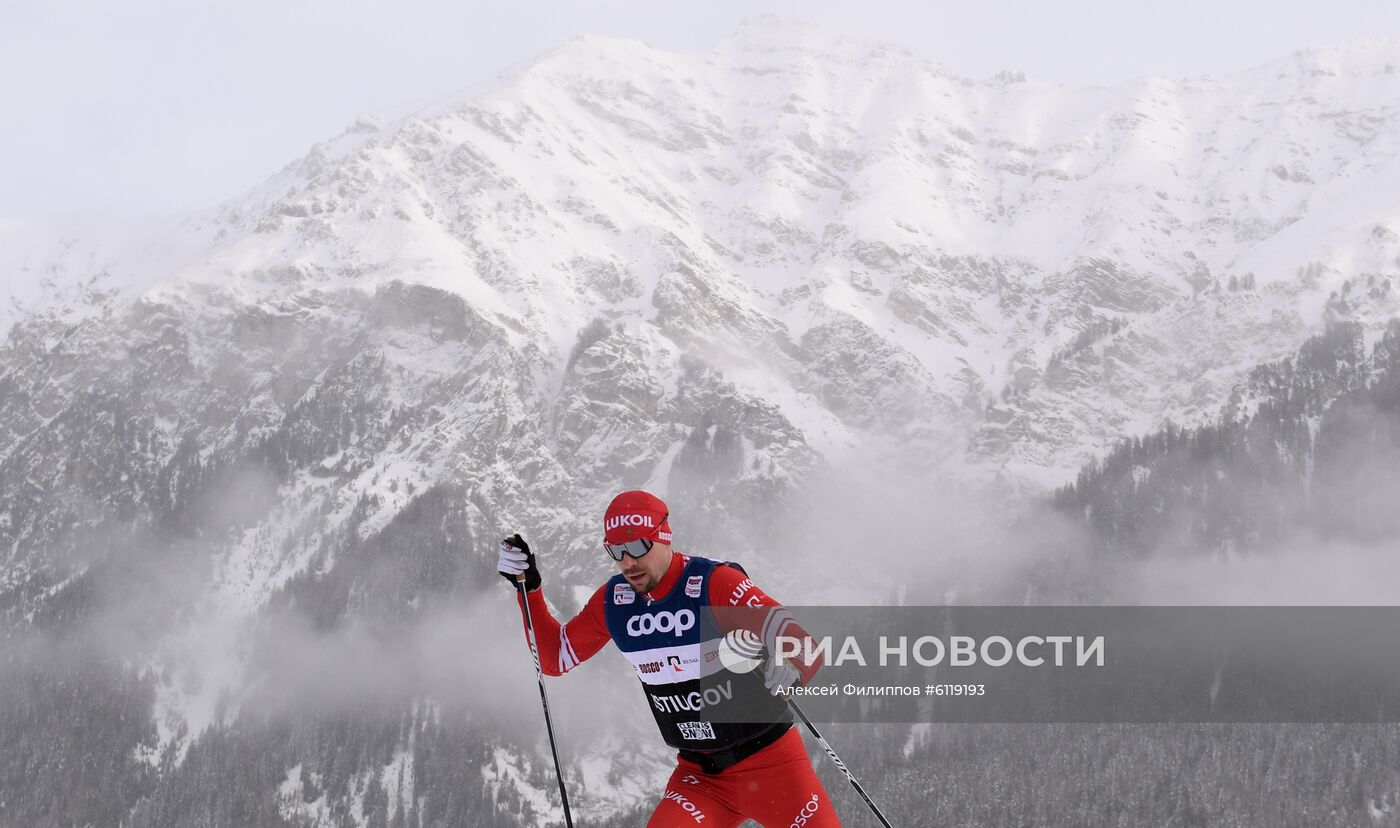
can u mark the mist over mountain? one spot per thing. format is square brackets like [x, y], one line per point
[828, 298]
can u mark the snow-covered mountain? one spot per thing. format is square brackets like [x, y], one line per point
[789, 196]
[720, 275]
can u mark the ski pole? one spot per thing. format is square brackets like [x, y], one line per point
[544, 699]
[850, 777]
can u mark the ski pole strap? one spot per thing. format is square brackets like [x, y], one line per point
[830, 751]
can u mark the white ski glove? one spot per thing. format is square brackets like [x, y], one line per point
[779, 675]
[516, 560]
[512, 561]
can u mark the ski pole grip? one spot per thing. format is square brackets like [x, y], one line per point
[519, 543]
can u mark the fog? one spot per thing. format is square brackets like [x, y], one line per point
[859, 536]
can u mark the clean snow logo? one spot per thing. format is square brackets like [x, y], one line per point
[623, 594]
[693, 585]
[661, 622]
[696, 731]
[739, 651]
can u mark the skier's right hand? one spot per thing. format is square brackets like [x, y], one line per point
[779, 676]
[516, 559]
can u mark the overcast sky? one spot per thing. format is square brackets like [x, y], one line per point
[147, 107]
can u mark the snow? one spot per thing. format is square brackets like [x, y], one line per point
[657, 482]
[83, 266]
[401, 797]
[507, 767]
[292, 806]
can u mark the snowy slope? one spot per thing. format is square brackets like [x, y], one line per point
[790, 195]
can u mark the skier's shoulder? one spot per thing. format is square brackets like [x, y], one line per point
[714, 566]
[729, 584]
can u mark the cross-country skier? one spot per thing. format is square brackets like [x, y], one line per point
[654, 610]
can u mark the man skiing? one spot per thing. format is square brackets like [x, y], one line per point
[656, 609]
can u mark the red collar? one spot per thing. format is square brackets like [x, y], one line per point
[668, 581]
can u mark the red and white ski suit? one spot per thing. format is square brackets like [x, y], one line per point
[775, 786]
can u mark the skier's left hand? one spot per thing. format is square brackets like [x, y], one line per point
[779, 675]
[516, 560]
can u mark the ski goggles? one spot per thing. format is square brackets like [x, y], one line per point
[635, 548]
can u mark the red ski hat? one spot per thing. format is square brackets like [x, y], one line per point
[636, 515]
